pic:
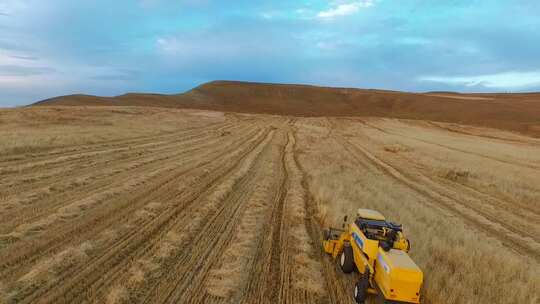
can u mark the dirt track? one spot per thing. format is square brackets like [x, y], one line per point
[217, 213]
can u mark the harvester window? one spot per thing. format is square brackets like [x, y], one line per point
[378, 230]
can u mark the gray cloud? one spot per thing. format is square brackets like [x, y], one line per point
[103, 47]
[16, 70]
[21, 57]
[118, 75]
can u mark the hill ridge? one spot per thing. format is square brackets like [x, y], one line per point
[518, 112]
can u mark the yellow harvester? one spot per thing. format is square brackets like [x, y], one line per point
[377, 249]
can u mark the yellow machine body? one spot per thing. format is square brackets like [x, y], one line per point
[397, 276]
[392, 272]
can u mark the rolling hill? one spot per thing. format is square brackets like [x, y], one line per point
[514, 112]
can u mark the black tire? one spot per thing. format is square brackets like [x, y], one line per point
[346, 260]
[326, 234]
[385, 245]
[361, 289]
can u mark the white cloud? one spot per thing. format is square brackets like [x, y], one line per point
[507, 80]
[267, 15]
[168, 45]
[215, 46]
[345, 9]
[9, 7]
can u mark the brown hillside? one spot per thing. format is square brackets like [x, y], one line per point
[515, 112]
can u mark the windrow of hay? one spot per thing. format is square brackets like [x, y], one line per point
[28, 131]
[116, 295]
[209, 210]
[226, 279]
[150, 267]
[397, 148]
[73, 210]
[457, 175]
[46, 270]
[306, 268]
[145, 268]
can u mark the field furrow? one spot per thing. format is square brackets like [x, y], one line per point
[56, 168]
[77, 151]
[89, 282]
[451, 148]
[132, 205]
[477, 218]
[36, 197]
[204, 247]
[337, 286]
[111, 217]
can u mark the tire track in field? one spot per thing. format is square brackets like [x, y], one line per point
[60, 164]
[301, 277]
[338, 285]
[441, 126]
[516, 207]
[492, 227]
[163, 253]
[523, 211]
[105, 216]
[204, 249]
[286, 269]
[27, 192]
[31, 246]
[482, 207]
[121, 173]
[134, 242]
[519, 222]
[30, 196]
[107, 146]
[500, 160]
[264, 283]
[90, 165]
[74, 284]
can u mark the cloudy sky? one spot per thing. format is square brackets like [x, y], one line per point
[58, 47]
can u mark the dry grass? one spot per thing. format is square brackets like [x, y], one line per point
[396, 148]
[3, 293]
[119, 222]
[461, 263]
[229, 276]
[116, 295]
[307, 269]
[457, 175]
[495, 163]
[47, 270]
[34, 130]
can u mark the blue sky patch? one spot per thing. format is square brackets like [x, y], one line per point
[58, 47]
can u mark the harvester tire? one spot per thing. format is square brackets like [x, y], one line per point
[346, 260]
[326, 234]
[361, 289]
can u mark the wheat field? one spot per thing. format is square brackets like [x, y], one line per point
[152, 205]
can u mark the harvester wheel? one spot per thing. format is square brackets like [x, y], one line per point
[346, 260]
[326, 234]
[361, 289]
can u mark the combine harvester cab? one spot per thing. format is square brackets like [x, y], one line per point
[377, 249]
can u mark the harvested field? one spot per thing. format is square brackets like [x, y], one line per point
[161, 205]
